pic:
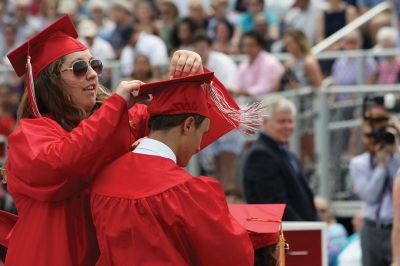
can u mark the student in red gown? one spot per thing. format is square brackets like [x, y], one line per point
[148, 210]
[68, 129]
[263, 223]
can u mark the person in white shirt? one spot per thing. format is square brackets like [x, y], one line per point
[143, 43]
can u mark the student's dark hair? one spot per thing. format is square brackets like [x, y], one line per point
[265, 256]
[165, 122]
[255, 36]
[201, 36]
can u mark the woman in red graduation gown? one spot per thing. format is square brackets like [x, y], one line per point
[68, 130]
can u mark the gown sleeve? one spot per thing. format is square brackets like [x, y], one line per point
[211, 230]
[138, 121]
[48, 163]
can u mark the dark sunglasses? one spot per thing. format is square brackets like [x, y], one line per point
[80, 68]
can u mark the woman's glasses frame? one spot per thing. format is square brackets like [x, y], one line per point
[80, 67]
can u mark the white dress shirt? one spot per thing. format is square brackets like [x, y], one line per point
[154, 147]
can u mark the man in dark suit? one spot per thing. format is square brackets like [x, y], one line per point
[271, 173]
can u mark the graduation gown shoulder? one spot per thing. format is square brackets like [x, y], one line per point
[149, 211]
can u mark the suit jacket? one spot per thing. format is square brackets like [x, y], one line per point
[269, 177]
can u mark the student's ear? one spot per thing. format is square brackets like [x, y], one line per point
[188, 125]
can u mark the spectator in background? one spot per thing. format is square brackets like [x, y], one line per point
[302, 69]
[49, 12]
[142, 69]
[345, 70]
[261, 72]
[182, 34]
[220, 13]
[223, 37]
[121, 15]
[99, 48]
[337, 235]
[303, 15]
[27, 25]
[198, 14]
[389, 66]
[272, 174]
[148, 44]
[350, 255]
[146, 20]
[98, 13]
[9, 41]
[336, 15]
[255, 7]
[303, 65]
[226, 150]
[373, 173]
[169, 18]
[261, 27]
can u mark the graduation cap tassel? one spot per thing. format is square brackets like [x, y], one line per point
[249, 119]
[282, 245]
[31, 89]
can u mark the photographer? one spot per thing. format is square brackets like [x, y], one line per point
[373, 174]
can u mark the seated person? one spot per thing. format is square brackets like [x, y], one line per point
[148, 210]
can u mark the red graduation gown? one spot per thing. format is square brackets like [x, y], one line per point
[149, 211]
[48, 171]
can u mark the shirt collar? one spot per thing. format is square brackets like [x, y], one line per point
[154, 147]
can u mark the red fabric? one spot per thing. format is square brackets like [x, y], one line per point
[50, 44]
[6, 125]
[262, 221]
[7, 223]
[48, 172]
[149, 211]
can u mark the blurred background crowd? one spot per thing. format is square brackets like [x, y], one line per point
[256, 48]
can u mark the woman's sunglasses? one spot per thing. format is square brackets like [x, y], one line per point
[80, 68]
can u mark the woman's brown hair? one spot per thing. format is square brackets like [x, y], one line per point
[300, 38]
[53, 100]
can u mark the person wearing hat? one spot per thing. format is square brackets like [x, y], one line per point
[263, 223]
[68, 129]
[147, 209]
[98, 47]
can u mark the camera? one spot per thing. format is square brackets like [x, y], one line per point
[382, 135]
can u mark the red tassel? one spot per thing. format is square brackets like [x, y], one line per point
[31, 90]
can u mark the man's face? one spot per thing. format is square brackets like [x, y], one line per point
[279, 126]
[191, 141]
[251, 47]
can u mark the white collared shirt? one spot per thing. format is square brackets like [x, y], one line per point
[154, 147]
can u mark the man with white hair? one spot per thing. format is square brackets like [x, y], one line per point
[272, 174]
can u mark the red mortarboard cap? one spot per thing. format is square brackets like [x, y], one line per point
[34, 55]
[50, 44]
[201, 94]
[178, 96]
[262, 221]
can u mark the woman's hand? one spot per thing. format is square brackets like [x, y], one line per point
[185, 63]
[128, 90]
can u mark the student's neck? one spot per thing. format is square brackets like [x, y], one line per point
[169, 138]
